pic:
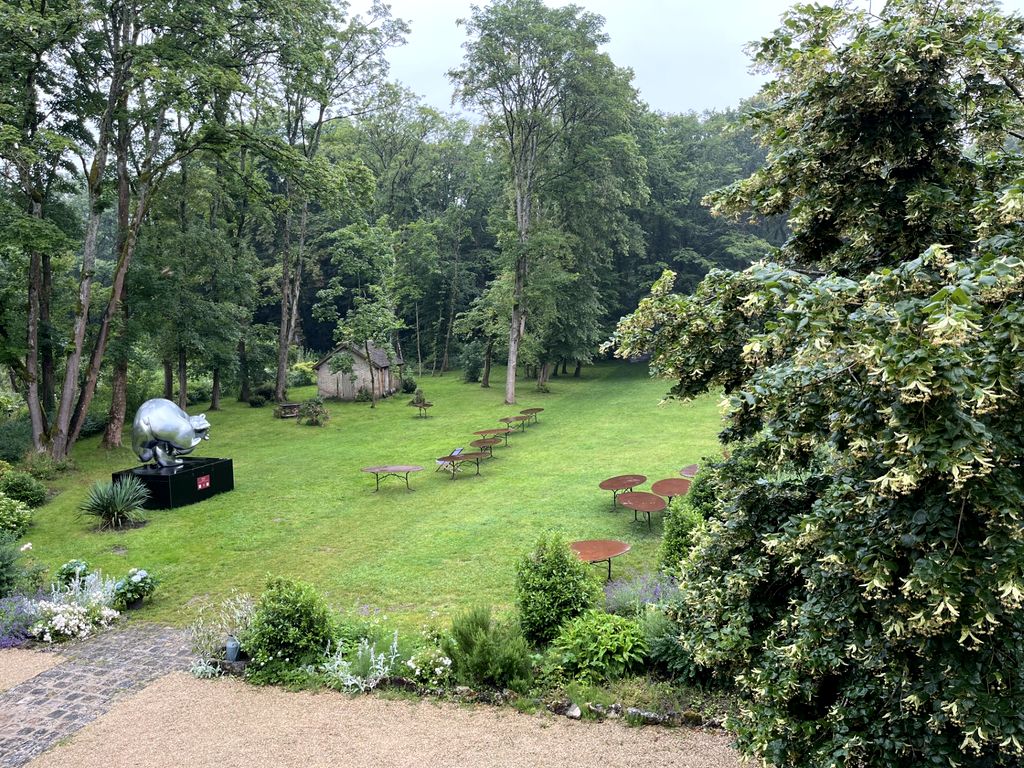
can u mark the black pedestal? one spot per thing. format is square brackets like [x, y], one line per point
[194, 480]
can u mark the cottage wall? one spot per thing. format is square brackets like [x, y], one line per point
[340, 385]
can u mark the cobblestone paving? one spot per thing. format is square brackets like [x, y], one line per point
[53, 705]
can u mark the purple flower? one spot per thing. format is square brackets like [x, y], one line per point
[17, 615]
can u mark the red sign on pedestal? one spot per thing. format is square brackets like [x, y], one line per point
[202, 483]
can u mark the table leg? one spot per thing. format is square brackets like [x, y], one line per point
[609, 569]
[478, 465]
[407, 482]
[377, 478]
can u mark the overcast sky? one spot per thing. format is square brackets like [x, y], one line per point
[686, 54]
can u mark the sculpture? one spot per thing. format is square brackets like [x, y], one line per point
[162, 431]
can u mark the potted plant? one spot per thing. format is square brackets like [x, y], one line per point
[420, 401]
[130, 591]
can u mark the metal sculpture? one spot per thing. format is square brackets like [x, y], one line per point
[162, 431]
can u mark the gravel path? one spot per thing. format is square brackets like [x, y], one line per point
[18, 665]
[178, 721]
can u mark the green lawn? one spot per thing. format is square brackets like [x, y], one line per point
[302, 508]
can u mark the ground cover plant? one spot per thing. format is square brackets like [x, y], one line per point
[303, 509]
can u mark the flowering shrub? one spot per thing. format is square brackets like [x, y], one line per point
[15, 516]
[137, 585]
[17, 615]
[430, 667]
[65, 621]
[71, 570]
[629, 597]
[213, 625]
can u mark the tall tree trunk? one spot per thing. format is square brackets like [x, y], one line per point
[243, 373]
[215, 391]
[451, 307]
[168, 380]
[565, 363]
[284, 332]
[373, 388]
[35, 409]
[118, 403]
[485, 380]
[516, 328]
[46, 340]
[579, 368]
[419, 351]
[182, 378]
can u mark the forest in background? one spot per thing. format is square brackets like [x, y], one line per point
[220, 191]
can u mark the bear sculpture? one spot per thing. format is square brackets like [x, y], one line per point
[162, 431]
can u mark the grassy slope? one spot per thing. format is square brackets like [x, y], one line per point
[302, 508]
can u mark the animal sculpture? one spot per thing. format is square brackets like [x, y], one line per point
[162, 432]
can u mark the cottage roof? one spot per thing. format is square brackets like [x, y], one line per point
[378, 355]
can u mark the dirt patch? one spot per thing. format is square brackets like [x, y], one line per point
[18, 665]
[182, 721]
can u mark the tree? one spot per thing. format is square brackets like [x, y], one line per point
[861, 576]
[537, 75]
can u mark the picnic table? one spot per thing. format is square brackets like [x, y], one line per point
[671, 487]
[519, 420]
[487, 444]
[454, 461]
[503, 432]
[532, 412]
[690, 471]
[599, 550]
[621, 483]
[642, 502]
[392, 470]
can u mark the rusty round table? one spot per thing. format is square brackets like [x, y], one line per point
[500, 432]
[392, 470]
[532, 413]
[642, 502]
[487, 444]
[671, 487]
[519, 420]
[599, 550]
[621, 483]
[455, 459]
[690, 471]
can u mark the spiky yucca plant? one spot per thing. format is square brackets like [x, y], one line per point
[116, 505]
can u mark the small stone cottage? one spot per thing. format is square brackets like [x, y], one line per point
[386, 372]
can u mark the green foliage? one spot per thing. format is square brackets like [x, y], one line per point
[23, 487]
[665, 651]
[488, 652]
[5, 467]
[302, 374]
[15, 439]
[408, 385]
[682, 521]
[600, 646]
[115, 505]
[266, 391]
[552, 586]
[15, 516]
[10, 569]
[363, 395]
[138, 584]
[313, 412]
[257, 401]
[70, 571]
[291, 627]
[94, 423]
[42, 466]
[471, 361]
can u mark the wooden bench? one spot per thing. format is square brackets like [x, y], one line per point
[287, 410]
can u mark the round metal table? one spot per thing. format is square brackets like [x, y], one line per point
[532, 413]
[690, 471]
[500, 432]
[392, 470]
[599, 550]
[487, 444]
[454, 460]
[621, 483]
[671, 487]
[642, 502]
[520, 420]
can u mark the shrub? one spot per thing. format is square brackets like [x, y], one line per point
[363, 395]
[116, 505]
[266, 391]
[362, 669]
[408, 385]
[665, 651]
[137, 585]
[302, 374]
[70, 571]
[471, 361]
[43, 467]
[93, 424]
[23, 487]
[15, 439]
[213, 625]
[291, 627]
[10, 571]
[15, 516]
[485, 652]
[630, 597]
[17, 615]
[552, 586]
[257, 401]
[683, 519]
[66, 621]
[430, 667]
[313, 412]
[5, 467]
[199, 392]
[598, 646]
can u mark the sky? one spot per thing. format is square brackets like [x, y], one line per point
[687, 55]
